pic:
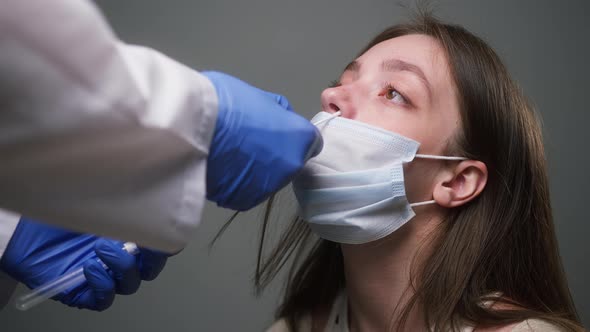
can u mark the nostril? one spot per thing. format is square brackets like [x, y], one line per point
[334, 108]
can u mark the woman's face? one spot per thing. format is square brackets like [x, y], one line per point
[402, 85]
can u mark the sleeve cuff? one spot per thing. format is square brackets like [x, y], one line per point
[8, 222]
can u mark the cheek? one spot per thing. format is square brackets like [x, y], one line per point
[434, 138]
[439, 134]
[432, 131]
[419, 180]
[409, 123]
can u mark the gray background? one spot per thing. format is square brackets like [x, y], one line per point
[296, 48]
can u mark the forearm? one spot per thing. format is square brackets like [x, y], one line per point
[97, 135]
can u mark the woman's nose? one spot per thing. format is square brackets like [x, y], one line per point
[338, 99]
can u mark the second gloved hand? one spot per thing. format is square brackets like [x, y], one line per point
[258, 146]
[38, 253]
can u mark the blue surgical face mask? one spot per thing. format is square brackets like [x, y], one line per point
[353, 191]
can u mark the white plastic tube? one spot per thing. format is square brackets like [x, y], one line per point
[61, 284]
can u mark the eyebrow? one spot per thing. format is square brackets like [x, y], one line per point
[353, 66]
[396, 65]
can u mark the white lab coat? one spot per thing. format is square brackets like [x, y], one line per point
[97, 135]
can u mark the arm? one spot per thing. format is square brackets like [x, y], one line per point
[101, 137]
[96, 135]
[107, 138]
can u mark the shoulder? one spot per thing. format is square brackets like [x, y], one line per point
[279, 326]
[529, 325]
[535, 325]
[282, 326]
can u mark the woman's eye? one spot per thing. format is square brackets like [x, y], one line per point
[392, 94]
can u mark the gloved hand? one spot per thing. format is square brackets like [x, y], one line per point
[38, 253]
[258, 146]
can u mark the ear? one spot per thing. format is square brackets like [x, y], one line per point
[461, 184]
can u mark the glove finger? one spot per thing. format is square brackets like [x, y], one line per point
[281, 100]
[316, 146]
[101, 294]
[151, 263]
[123, 265]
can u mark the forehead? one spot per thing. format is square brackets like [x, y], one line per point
[420, 50]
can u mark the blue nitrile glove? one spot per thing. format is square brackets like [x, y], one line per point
[258, 146]
[38, 253]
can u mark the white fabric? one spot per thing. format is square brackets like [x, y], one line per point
[338, 319]
[96, 135]
[8, 222]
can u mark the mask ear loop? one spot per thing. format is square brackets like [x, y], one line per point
[430, 156]
[337, 114]
[422, 203]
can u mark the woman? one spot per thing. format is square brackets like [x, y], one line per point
[478, 253]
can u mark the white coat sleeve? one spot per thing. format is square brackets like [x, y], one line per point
[8, 223]
[96, 135]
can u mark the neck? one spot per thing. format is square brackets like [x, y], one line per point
[378, 277]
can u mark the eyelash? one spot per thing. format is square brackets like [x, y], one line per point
[334, 83]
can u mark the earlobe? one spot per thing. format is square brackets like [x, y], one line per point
[466, 181]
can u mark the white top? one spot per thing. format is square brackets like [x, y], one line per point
[97, 135]
[338, 321]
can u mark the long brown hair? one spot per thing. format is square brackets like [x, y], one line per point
[503, 241]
